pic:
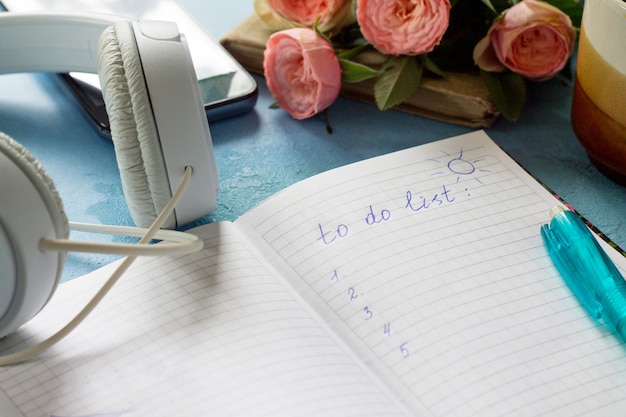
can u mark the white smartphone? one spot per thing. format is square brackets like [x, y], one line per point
[227, 88]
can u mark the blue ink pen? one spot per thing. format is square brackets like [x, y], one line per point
[586, 268]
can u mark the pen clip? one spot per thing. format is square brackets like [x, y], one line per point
[572, 276]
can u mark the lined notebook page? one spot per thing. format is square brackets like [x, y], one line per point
[430, 264]
[210, 334]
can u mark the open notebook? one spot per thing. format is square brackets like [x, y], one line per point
[412, 284]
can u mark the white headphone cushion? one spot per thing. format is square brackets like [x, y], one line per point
[142, 169]
[40, 179]
[35, 212]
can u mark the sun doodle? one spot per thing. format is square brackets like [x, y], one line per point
[460, 167]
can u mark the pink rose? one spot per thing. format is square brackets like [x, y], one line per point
[532, 38]
[281, 14]
[302, 71]
[403, 27]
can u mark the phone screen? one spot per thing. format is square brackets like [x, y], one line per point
[227, 88]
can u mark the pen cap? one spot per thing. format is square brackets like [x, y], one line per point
[595, 273]
[614, 310]
[586, 253]
[613, 299]
[568, 227]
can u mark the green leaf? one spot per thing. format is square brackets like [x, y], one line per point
[351, 53]
[507, 91]
[353, 72]
[430, 65]
[319, 32]
[488, 4]
[400, 78]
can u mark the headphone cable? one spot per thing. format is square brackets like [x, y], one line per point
[149, 234]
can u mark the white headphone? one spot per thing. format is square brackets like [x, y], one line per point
[160, 134]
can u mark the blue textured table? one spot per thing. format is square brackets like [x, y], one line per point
[264, 151]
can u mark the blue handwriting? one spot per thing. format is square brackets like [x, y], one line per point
[423, 203]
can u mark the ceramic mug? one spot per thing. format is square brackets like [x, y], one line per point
[599, 102]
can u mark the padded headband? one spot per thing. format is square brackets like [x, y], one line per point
[51, 42]
[62, 42]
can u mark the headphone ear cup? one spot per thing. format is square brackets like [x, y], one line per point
[30, 210]
[40, 179]
[133, 128]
